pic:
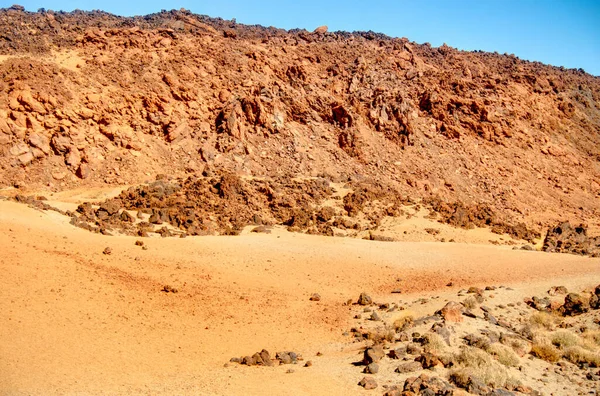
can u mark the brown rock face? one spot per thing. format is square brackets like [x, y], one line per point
[452, 312]
[575, 304]
[564, 238]
[497, 139]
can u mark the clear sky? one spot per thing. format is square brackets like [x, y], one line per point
[558, 32]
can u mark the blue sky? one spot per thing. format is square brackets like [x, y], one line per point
[558, 32]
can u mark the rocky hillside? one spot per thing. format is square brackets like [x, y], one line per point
[88, 98]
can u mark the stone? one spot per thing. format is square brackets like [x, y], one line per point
[490, 318]
[73, 158]
[27, 100]
[409, 367]
[557, 290]
[375, 316]
[364, 299]
[83, 171]
[315, 297]
[176, 132]
[286, 357]
[368, 383]
[19, 149]
[107, 251]
[40, 141]
[429, 360]
[575, 304]
[248, 361]
[321, 30]
[60, 143]
[451, 312]
[373, 354]
[26, 159]
[372, 368]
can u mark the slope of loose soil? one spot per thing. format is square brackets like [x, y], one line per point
[92, 98]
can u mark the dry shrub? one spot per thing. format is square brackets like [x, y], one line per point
[470, 302]
[475, 363]
[546, 351]
[592, 336]
[521, 347]
[565, 339]
[579, 355]
[504, 355]
[544, 319]
[404, 322]
[380, 336]
[434, 343]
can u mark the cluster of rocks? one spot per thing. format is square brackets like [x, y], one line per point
[574, 303]
[264, 358]
[472, 347]
[458, 214]
[293, 103]
[224, 204]
[565, 238]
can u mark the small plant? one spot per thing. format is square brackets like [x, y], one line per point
[546, 351]
[520, 347]
[404, 322]
[504, 355]
[475, 363]
[544, 320]
[434, 343]
[578, 355]
[470, 302]
[565, 339]
[381, 336]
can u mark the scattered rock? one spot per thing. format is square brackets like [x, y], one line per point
[107, 251]
[364, 299]
[451, 312]
[372, 368]
[321, 30]
[409, 367]
[575, 304]
[373, 355]
[315, 297]
[557, 290]
[368, 383]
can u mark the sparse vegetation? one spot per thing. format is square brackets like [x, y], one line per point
[505, 355]
[470, 302]
[434, 343]
[544, 320]
[579, 355]
[475, 363]
[546, 351]
[404, 322]
[521, 347]
[565, 339]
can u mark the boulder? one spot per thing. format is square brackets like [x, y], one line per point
[321, 30]
[409, 367]
[40, 141]
[451, 312]
[368, 383]
[575, 304]
[373, 354]
[364, 299]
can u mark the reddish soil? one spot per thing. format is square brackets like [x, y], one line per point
[92, 98]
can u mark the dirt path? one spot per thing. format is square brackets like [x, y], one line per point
[76, 320]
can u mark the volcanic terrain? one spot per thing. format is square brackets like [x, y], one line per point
[189, 205]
